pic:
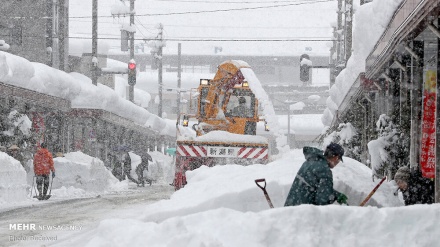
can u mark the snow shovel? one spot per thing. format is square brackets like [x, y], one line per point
[372, 192]
[261, 180]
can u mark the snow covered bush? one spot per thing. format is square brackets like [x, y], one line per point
[387, 152]
[15, 128]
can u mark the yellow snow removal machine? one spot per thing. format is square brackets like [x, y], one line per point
[227, 115]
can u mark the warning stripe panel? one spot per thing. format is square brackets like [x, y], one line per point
[253, 153]
[243, 152]
[192, 151]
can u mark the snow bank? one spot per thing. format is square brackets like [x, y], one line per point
[79, 174]
[219, 202]
[303, 225]
[82, 171]
[233, 186]
[13, 187]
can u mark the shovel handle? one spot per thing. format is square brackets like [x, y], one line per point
[257, 181]
[372, 192]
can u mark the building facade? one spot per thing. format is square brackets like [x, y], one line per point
[401, 81]
[36, 30]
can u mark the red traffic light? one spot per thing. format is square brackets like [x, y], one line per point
[131, 66]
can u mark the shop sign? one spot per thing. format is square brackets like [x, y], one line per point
[428, 147]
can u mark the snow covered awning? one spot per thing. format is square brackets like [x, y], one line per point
[406, 19]
[40, 99]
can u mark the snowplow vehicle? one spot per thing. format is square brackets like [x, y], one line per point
[226, 128]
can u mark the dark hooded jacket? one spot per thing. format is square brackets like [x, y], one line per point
[420, 190]
[313, 183]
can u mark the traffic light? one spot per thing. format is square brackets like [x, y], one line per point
[131, 72]
[305, 65]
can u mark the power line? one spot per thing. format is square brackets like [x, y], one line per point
[218, 10]
[196, 26]
[223, 40]
[239, 2]
[296, 39]
[137, 19]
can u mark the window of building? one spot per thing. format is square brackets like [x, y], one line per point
[5, 34]
[17, 35]
[11, 35]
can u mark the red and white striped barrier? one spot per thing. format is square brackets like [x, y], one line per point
[220, 151]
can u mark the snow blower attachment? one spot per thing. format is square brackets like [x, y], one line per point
[226, 130]
[261, 180]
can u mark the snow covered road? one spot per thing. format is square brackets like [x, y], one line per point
[62, 223]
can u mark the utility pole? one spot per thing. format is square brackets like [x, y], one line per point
[94, 42]
[179, 78]
[159, 67]
[339, 42]
[348, 31]
[131, 86]
[61, 33]
[333, 61]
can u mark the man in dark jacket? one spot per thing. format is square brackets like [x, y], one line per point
[313, 183]
[127, 167]
[141, 168]
[415, 188]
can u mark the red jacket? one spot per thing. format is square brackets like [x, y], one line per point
[43, 162]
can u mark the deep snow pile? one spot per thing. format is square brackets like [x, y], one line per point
[78, 174]
[12, 180]
[84, 172]
[304, 225]
[233, 186]
[222, 206]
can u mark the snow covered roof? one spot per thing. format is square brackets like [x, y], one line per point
[79, 90]
[366, 33]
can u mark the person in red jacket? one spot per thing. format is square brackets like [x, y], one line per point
[43, 164]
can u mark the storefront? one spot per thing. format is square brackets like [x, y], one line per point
[401, 81]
